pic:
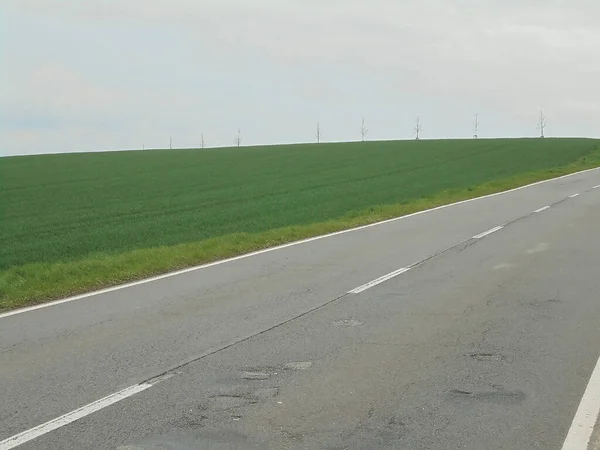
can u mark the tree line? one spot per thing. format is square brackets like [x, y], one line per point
[418, 129]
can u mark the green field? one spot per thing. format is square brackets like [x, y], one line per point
[75, 222]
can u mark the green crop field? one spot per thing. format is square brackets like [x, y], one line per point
[75, 222]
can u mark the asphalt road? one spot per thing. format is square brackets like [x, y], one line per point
[483, 344]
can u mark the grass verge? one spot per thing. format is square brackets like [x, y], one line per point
[33, 283]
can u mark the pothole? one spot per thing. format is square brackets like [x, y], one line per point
[225, 402]
[189, 421]
[497, 396]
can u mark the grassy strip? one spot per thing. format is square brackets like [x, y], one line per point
[38, 282]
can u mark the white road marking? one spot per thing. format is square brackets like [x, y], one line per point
[542, 209]
[86, 410]
[596, 187]
[488, 232]
[574, 195]
[585, 418]
[68, 418]
[279, 247]
[379, 280]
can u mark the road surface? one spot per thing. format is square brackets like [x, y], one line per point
[475, 326]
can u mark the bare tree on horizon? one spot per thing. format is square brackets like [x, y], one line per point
[202, 139]
[319, 133]
[238, 139]
[542, 123]
[418, 128]
[476, 127]
[170, 143]
[363, 130]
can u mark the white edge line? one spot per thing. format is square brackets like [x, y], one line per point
[585, 418]
[596, 187]
[542, 209]
[488, 232]
[271, 249]
[72, 416]
[574, 195]
[379, 280]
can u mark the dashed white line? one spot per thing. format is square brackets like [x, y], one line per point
[379, 280]
[488, 232]
[72, 416]
[596, 187]
[542, 209]
[574, 195]
[582, 427]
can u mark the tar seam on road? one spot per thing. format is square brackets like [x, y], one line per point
[395, 273]
[40, 430]
[585, 418]
[280, 247]
[47, 427]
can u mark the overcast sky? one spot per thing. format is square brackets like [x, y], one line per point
[87, 75]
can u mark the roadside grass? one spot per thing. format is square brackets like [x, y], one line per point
[75, 223]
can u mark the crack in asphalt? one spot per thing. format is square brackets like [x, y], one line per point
[465, 243]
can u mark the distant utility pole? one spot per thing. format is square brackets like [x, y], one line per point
[476, 127]
[542, 123]
[170, 143]
[363, 131]
[238, 139]
[143, 146]
[202, 138]
[319, 133]
[418, 127]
